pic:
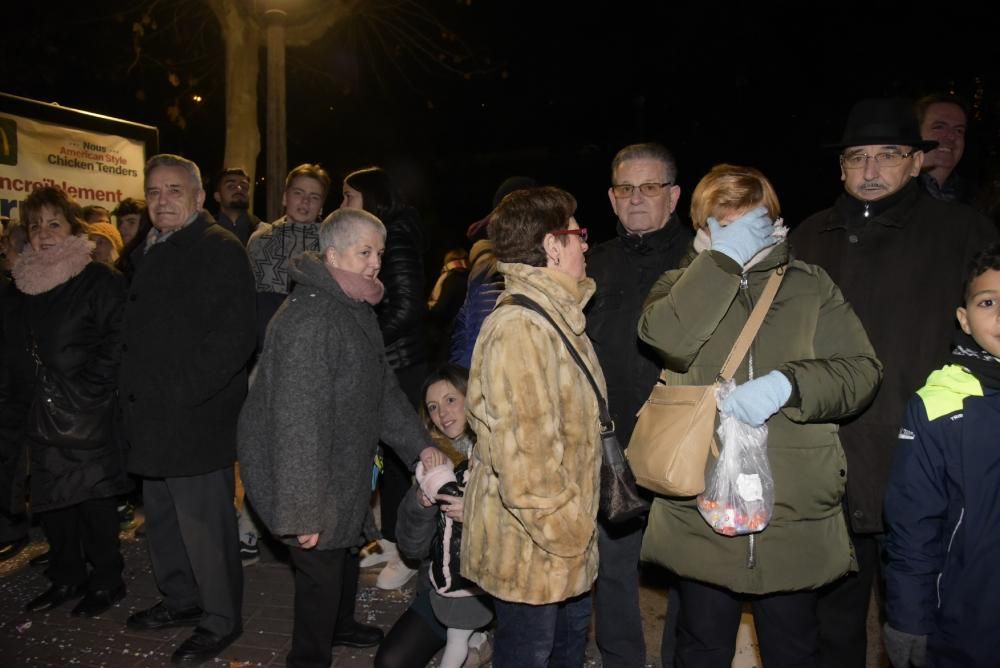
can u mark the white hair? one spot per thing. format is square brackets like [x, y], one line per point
[340, 229]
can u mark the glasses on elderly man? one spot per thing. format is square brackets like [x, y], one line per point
[882, 159]
[623, 190]
[580, 232]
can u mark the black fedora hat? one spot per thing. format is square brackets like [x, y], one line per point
[883, 121]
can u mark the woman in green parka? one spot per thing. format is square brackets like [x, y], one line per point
[810, 365]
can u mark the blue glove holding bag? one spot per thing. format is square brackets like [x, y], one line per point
[756, 400]
[744, 237]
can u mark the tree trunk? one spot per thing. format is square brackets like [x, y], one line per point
[242, 37]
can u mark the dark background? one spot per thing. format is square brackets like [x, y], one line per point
[548, 89]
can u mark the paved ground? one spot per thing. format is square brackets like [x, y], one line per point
[58, 639]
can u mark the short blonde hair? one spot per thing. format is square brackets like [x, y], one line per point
[731, 189]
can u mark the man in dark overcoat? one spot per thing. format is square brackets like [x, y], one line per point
[650, 240]
[899, 256]
[188, 335]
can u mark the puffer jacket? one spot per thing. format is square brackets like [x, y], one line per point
[693, 316]
[531, 503]
[402, 312]
[485, 286]
[76, 327]
[942, 505]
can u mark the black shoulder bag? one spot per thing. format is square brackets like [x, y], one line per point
[620, 500]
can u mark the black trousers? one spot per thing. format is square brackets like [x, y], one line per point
[319, 583]
[786, 624]
[618, 622]
[194, 546]
[87, 531]
[843, 608]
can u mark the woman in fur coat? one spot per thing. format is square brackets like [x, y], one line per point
[530, 533]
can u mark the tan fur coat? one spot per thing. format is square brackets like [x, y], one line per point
[531, 503]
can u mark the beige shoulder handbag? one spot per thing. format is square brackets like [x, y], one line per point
[675, 430]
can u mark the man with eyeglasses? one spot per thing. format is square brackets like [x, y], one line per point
[898, 255]
[651, 239]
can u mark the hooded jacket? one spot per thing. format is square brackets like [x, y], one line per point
[531, 503]
[321, 398]
[693, 317]
[942, 508]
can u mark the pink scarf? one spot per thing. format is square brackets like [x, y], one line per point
[358, 287]
[39, 271]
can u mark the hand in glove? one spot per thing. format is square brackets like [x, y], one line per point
[904, 649]
[756, 400]
[744, 237]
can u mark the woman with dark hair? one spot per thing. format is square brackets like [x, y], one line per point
[530, 534]
[62, 349]
[437, 620]
[401, 317]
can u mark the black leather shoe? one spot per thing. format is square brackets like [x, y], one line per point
[12, 548]
[359, 635]
[159, 617]
[41, 560]
[55, 596]
[203, 645]
[98, 601]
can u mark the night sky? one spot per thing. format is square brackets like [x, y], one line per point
[546, 89]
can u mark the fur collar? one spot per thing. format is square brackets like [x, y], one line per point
[539, 284]
[38, 272]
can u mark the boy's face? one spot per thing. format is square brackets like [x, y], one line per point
[980, 317]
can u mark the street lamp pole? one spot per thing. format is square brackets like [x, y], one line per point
[277, 125]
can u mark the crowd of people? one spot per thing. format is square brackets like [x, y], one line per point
[245, 377]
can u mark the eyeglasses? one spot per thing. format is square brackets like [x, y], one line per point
[882, 159]
[579, 232]
[623, 190]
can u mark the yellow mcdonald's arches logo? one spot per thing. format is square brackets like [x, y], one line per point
[8, 141]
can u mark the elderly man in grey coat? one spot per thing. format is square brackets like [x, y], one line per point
[321, 398]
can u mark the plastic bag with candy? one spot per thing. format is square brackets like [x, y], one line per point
[739, 490]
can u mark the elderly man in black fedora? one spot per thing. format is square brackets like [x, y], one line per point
[898, 255]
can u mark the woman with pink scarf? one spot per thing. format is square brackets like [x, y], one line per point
[62, 347]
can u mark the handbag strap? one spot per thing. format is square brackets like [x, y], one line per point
[752, 326]
[607, 424]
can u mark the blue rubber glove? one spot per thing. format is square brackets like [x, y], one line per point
[756, 400]
[744, 237]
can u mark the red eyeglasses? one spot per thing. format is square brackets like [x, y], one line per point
[580, 232]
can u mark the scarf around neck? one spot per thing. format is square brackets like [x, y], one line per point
[969, 354]
[357, 287]
[40, 271]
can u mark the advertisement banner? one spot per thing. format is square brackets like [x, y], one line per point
[92, 167]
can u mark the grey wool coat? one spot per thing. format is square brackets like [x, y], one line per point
[321, 398]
